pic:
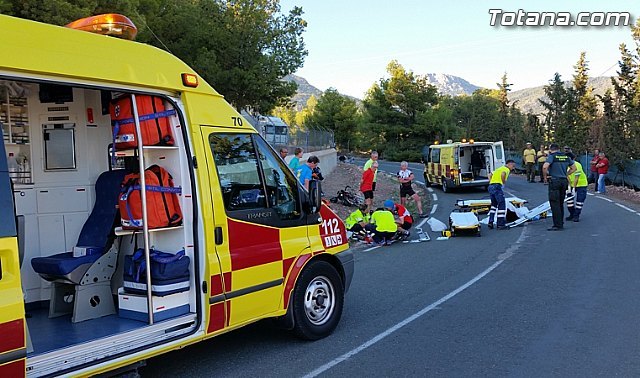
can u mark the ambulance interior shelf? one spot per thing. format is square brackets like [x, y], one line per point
[14, 120]
[123, 232]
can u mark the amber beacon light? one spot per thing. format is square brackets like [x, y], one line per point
[115, 25]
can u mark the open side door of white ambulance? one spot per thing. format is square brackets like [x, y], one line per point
[498, 155]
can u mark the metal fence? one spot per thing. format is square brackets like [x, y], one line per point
[311, 140]
[278, 134]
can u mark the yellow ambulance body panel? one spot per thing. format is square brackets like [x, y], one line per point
[461, 164]
[254, 237]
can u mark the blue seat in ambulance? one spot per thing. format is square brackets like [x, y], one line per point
[88, 275]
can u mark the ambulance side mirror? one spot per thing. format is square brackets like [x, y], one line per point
[315, 196]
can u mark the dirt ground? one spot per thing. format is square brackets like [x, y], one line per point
[387, 186]
[622, 193]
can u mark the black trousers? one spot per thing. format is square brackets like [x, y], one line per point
[557, 190]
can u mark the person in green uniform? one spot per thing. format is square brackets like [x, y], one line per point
[529, 161]
[383, 226]
[555, 170]
[367, 165]
[498, 209]
[356, 221]
[578, 183]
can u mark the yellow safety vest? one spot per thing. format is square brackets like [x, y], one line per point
[582, 179]
[496, 176]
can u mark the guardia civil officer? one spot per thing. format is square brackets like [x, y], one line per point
[555, 171]
[498, 203]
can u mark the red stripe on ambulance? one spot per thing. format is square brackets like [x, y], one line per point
[12, 335]
[291, 281]
[251, 245]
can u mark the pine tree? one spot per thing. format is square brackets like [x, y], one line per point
[555, 106]
[582, 109]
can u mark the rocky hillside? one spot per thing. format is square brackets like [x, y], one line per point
[451, 85]
[305, 91]
[527, 99]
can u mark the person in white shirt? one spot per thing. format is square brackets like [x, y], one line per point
[406, 177]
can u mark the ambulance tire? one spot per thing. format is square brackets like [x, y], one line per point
[445, 186]
[318, 299]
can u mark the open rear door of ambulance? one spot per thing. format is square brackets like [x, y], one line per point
[13, 349]
[498, 155]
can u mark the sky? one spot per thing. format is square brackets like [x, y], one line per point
[350, 42]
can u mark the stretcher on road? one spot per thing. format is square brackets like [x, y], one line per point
[539, 212]
[481, 206]
[464, 223]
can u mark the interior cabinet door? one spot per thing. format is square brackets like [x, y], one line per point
[51, 233]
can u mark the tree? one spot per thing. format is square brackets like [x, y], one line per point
[392, 108]
[336, 113]
[583, 107]
[555, 104]
[241, 47]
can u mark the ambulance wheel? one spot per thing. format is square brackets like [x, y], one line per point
[318, 299]
[445, 186]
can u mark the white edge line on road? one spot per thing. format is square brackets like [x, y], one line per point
[372, 248]
[423, 221]
[403, 323]
[420, 182]
[433, 209]
[430, 189]
[626, 208]
[435, 196]
[590, 194]
[603, 198]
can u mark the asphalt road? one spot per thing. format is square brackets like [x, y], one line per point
[522, 302]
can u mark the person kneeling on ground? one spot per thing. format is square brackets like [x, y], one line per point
[356, 221]
[383, 226]
[404, 220]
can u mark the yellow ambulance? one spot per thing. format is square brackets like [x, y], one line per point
[461, 164]
[81, 291]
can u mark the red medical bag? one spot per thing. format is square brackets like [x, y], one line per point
[163, 203]
[154, 122]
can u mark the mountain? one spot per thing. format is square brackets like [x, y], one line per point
[527, 99]
[451, 85]
[304, 92]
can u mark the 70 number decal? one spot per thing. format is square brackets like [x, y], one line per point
[237, 121]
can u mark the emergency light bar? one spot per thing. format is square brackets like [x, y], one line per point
[115, 25]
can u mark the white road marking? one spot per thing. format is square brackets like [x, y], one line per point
[626, 208]
[420, 182]
[435, 196]
[433, 209]
[604, 198]
[422, 222]
[403, 323]
[372, 248]
[430, 189]
[590, 194]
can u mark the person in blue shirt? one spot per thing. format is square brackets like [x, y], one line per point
[304, 173]
[294, 163]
